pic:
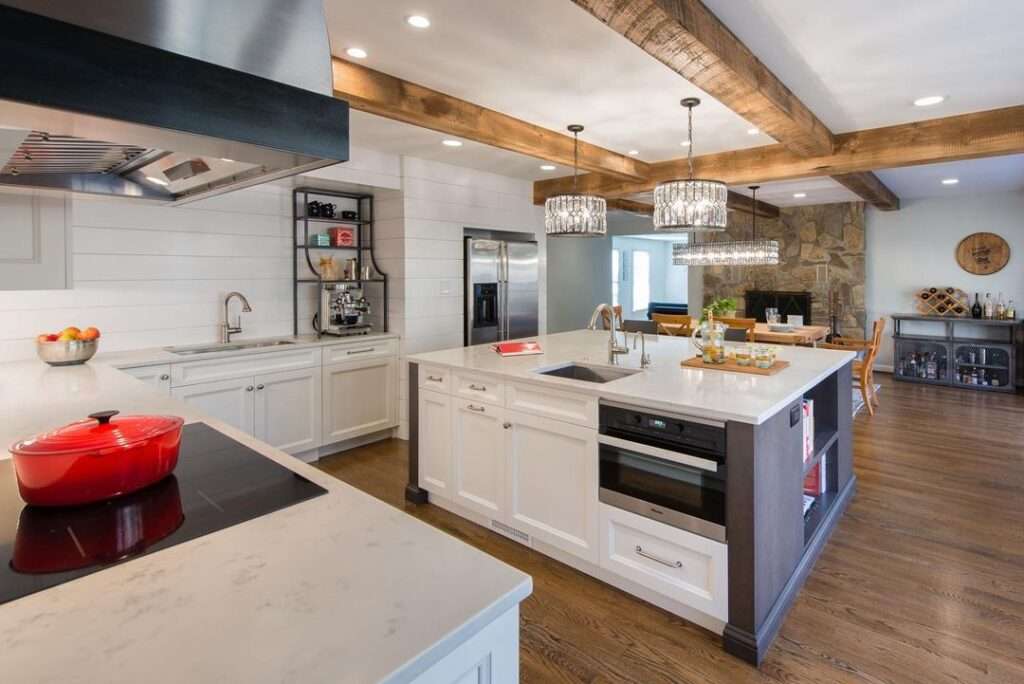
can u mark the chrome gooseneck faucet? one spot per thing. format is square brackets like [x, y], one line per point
[226, 329]
[614, 348]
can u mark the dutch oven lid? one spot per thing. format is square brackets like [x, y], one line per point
[100, 431]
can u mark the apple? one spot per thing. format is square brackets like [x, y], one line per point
[90, 334]
[44, 338]
[67, 337]
[71, 332]
[52, 337]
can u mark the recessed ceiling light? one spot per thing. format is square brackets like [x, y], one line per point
[799, 195]
[357, 52]
[929, 100]
[547, 167]
[753, 131]
[451, 143]
[633, 153]
[154, 179]
[417, 21]
[950, 181]
[685, 143]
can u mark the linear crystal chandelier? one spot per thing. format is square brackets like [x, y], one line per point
[753, 252]
[576, 214]
[690, 205]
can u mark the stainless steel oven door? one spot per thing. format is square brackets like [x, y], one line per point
[674, 488]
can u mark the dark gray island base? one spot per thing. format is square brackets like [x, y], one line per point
[772, 545]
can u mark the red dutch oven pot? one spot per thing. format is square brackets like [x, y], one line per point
[96, 459]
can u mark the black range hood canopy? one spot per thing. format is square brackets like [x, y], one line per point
[88, 111]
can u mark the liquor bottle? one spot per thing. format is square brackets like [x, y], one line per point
[990, 310]
[1011, 312]
[976, 309]
[1000, 308]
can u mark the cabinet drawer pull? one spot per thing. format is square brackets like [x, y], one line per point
[478, 409]
[506, 425]
[434, 378]
[672, 564]
[249, 388]
[478, 388]
[260, 386]
[359, 351]
[165, 376]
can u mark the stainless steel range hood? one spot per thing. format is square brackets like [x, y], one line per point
[166, 100]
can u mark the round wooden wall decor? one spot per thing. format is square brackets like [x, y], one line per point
[982, 253]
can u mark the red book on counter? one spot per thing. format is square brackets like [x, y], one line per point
[517, 348]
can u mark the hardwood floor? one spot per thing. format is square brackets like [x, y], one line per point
[922, 582]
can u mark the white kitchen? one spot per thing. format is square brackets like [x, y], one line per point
[332, 351]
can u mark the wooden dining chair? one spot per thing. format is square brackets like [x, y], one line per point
[685, 324]
[864, 366]
[734, 325]
[618, 314]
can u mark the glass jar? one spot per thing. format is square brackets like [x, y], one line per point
[744, 355]
[763, 357]
[709, 338]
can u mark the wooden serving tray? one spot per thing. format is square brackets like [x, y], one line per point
[732, 366]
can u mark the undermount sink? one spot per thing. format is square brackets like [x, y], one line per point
[579, 371]
[230, 346]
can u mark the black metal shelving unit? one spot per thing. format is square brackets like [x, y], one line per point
[362, 248]
[997, 342]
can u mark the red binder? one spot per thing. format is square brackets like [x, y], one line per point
[517, 348]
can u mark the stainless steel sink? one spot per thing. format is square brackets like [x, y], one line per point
[232, 346]
[585, 373]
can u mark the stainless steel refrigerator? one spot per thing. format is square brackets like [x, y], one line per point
[501, 290]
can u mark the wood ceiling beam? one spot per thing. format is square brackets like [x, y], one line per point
[869, 188]
[685, 36]
[378, 93]
[736, 202]
[966, 136]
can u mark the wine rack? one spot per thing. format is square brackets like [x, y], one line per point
[942, 301]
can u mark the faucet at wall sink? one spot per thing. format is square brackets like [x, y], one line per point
[614, 348]
[226, 329]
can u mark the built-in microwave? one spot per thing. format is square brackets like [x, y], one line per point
[669, 469]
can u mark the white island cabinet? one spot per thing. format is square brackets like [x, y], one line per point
[581, 465]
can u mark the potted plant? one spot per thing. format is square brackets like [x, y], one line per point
[723, 307]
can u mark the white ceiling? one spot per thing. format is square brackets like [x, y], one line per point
[544, 61]
[817, 190]
[860, 64]
[993, 174]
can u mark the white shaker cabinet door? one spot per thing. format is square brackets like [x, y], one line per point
[157, 376]
[230, 401]
[288, 409]
[435, 443]
[552, 482]
[478, 453]
[360, 397]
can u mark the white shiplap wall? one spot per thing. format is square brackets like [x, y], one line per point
[154, 276]
[420, 239]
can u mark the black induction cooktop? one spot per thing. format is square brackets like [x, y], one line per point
[218, 483]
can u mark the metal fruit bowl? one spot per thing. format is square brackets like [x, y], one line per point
[70, 353]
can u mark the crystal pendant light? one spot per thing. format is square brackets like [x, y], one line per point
[576, 215]
[690, 205]
[753, 252]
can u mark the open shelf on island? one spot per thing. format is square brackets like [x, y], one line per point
[824, 438]
[331, 282]
[335, 221]
[351, 248]
[822, 504]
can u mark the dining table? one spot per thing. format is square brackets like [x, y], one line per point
[801, 334]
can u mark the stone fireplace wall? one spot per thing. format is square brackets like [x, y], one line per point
[822, 251]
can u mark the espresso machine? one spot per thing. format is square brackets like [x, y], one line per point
[345, 310]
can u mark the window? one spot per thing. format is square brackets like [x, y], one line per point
[641, 280]
[616, 272]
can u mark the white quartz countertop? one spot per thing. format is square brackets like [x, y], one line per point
[664, 385]
[158, 355]
[339, 588]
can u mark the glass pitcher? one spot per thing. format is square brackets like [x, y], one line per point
[709, 338]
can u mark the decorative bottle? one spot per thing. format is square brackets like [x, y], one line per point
[1000, 308]
[976, 309]
[989, 311]
[1011, 312]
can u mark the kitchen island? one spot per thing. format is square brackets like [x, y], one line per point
[337, 588]
[555, 451]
